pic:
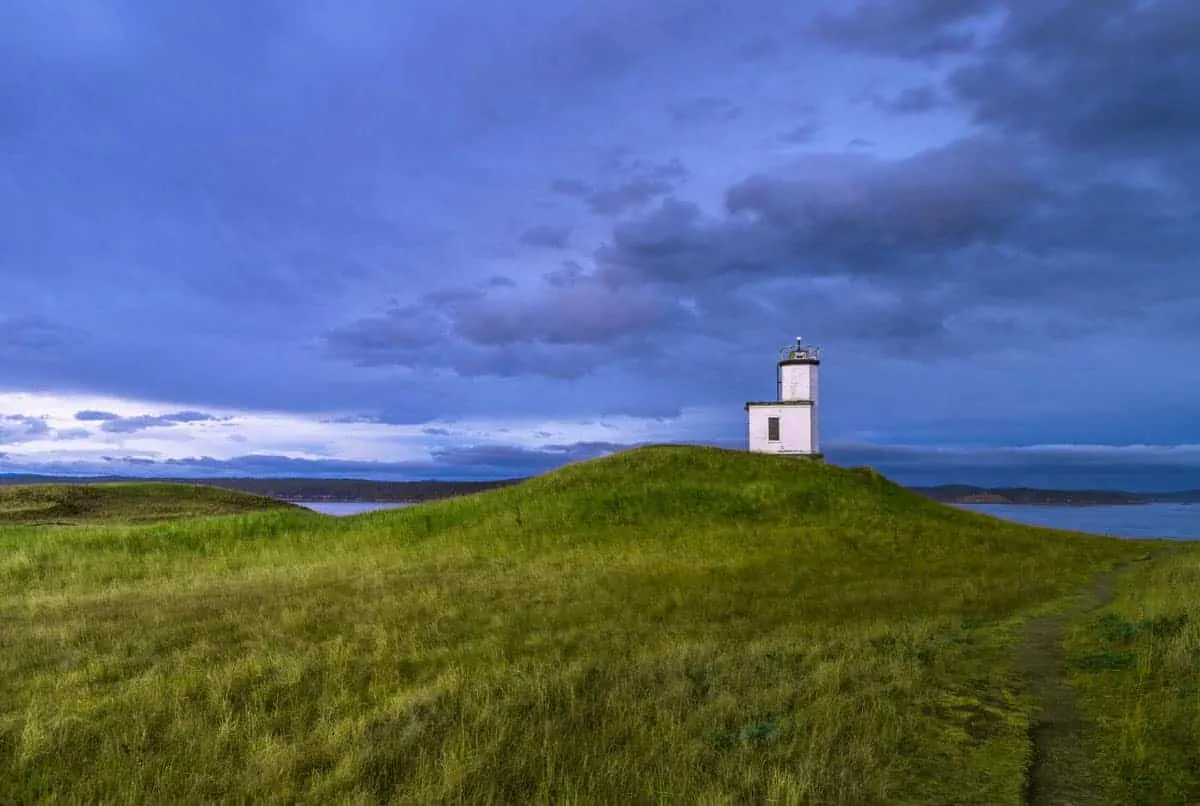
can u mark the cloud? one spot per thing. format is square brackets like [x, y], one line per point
[570, 187]
[132, 425]
[646, 184]
[18, 428]
[72, 433]
[613, 201]
[466, 462]
[803, 133]
[373, 339]
[911, 100]
[915, 29]
[1129, 85]
[30, 334]
[89, 416]
[552, 332]
[703, 110]
[583, 312]
[835, 215]
[548, 235]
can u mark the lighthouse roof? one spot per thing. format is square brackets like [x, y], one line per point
[799, 353]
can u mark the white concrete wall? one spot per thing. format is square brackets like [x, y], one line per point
[797, 429]
[799, 382]
[816, 412]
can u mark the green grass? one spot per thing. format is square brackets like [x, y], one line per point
[669, 624]
[1138, 671]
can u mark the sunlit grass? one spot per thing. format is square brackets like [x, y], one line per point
[670, 624]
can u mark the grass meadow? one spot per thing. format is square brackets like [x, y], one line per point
[666, 625]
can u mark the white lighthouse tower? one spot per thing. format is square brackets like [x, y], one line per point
[788, 425]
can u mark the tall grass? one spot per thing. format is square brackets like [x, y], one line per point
[1137, 665]
[666, 625]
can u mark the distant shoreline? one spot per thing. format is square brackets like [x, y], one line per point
[347, 491]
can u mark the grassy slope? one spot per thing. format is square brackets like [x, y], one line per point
[681, 624]
[122, 502]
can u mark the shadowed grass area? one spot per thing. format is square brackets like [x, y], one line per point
[1137, 667]
[122, 502]
[670, 624]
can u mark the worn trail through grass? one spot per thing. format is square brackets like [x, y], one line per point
[1060, 770]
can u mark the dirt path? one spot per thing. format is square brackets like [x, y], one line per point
[1059, 773]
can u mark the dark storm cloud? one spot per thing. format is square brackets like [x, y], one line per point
[917, 29]
[1109, 127]
[548, 235]
[833, 215]
[1130, 83]
[1127, 83]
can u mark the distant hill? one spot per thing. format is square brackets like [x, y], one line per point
[122, 502]
[329, 490]
[967, 494]
[300, 489]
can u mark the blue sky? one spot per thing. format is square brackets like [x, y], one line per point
[454, 238]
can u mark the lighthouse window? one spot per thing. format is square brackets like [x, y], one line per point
[772, 429]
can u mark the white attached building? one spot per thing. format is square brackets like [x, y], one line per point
[788, 425]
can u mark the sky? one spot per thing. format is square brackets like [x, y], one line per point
[467, 239]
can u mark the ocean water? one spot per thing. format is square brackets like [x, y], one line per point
[349, 507]
[1173, 521]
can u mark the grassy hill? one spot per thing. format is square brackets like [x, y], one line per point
[669, 624]
[132, 502]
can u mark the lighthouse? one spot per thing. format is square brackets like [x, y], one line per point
[788, 425]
